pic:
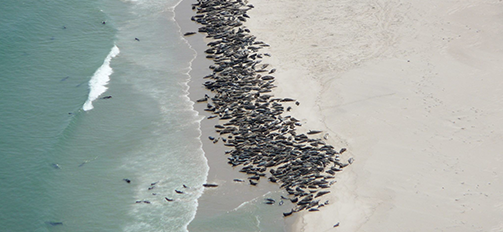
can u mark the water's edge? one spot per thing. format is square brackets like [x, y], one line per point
[193, 84]
[229, 196]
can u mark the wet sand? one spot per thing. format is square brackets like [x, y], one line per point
[229, 194]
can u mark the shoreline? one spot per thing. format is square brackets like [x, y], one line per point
[219, 169]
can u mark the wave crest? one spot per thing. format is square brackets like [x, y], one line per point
[100, 79]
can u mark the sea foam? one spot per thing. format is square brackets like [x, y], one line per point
[100, 79]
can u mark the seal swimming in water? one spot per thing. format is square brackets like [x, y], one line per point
[54, 223]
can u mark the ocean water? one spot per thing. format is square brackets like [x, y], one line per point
[64, 149]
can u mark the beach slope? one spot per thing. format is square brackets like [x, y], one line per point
[413, 89]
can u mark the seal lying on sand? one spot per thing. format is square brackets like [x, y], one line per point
[210, 185]
[260, 136]
[189, 33]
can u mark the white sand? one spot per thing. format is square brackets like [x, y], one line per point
[414, 90]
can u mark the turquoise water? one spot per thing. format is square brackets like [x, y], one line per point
[65, 151]
[61, 163]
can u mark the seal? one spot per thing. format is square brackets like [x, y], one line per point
[189, 33]
[54, 223]
[287, 214]
[210, 185]
[260, 137]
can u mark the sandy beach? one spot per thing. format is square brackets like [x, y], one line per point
[413, 89]
[218, 203]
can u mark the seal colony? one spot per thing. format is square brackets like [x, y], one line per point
[263, 141]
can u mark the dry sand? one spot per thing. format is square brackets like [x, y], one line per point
[414, 90]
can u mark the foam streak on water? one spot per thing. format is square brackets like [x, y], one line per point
[100, 79]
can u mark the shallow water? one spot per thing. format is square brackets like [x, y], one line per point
[63, 164]
[65, 150]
